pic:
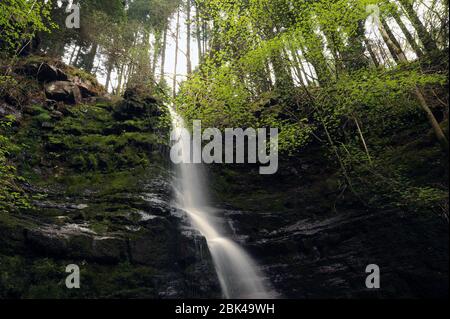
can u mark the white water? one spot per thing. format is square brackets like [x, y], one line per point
[237, 272]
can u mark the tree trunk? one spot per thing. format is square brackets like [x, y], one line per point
[297, 64]
[156, 53]
[73, 54]
[442, 139]
[391, 42]
[408, 35]
[88, 61]
[205, 36]
[119, 81]
[426, 39]
[188, 37]
[440, 136]
[198, 33]
[163, 54]
[108, 75]
[177, 34]
[372, 54]
[77, 58]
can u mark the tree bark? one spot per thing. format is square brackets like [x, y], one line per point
[425, 37]
[408, 35]
[90, 58]
[156, 53]
[108, 75]
[372, 54]
[163, 54]
[177, 34]
[188, 37]
[77, 58]
[391, 42]
[198, 33]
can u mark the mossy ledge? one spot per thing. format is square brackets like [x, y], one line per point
[95, 177]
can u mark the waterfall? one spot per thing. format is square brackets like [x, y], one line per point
[237, 272]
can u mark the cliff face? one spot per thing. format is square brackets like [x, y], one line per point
[315, 240]
[98, 185]
[95, 175]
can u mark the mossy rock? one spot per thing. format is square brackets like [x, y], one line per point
[137, 103]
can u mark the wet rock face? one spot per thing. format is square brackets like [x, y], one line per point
[310, 247]
[101, 199]
[327, 258]
[147, 234]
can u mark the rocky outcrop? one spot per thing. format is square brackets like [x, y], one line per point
[313, 240]
[137, 102]
[43, 72]
[87, 88]
[63, 91]
[328, 258]
[149, 234]
[101, 200]
[62, 82]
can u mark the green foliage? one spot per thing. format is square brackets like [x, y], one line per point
[304, 67]
[20, 20]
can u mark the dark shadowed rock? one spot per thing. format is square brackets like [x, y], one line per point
[44, 72]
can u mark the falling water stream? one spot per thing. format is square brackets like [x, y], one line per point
[237, 272]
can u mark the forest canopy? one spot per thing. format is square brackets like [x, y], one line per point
[344, 74]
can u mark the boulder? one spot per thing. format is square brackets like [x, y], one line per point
[6, 109]
[44, 72]
[63, 91]
[87, 88]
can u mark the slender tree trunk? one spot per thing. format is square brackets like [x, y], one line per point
[188, 37]
[363, 140]
[442, 139]
[335, 43]
[425, 37]
[163, 54]
[73, 54]
[90, 58]
[119, 81]
[407, 34]
[205, 36]
[372, 54]
[156, 53]
[108, 75]
[391, 42]
[313, 53]
[316, 58]
[198, 33]
[297, 65]
[77, 58]
[177, 35]
[268, 77]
